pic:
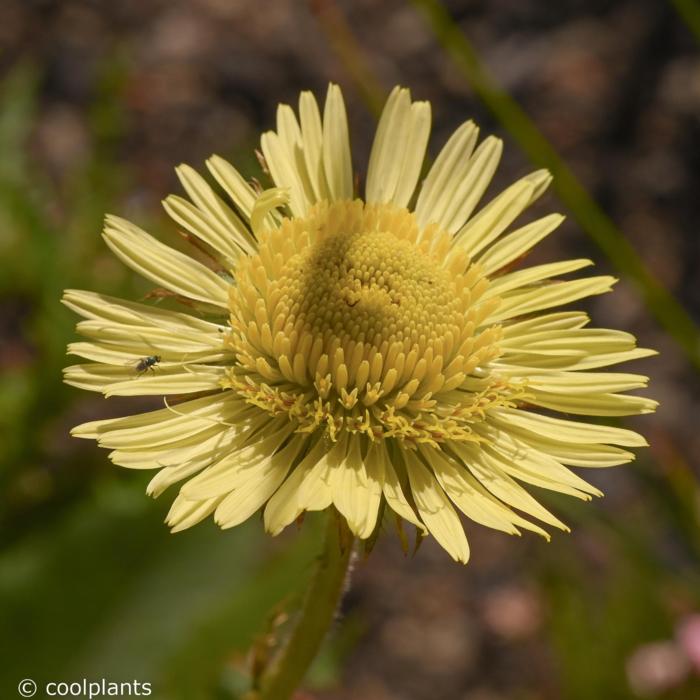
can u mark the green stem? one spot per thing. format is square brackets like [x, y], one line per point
[316, 616]
[661, 303]
[342, 39]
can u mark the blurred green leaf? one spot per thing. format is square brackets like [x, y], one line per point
[17, 105]
[42, 250]
[594, 628]
[196, 665]
[108, 593]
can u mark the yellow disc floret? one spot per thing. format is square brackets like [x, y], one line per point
[353, 319]
[368, 285]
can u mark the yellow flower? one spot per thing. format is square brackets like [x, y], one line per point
[358, 352]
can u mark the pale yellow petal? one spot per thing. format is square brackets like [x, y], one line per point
[284, 172]
[223, 221]
[376, 471]
[413, 153]
[435, 509]
[571, 454]
[514, 245]
[337, 162]
[488, 469]
[585, 340]
[353, 494]
[566, 430]
[164, 265]
[455, 208]
[286, 504]
[141, 341]
[234, 184]
[224, 475]
[126, 381]
[104, 308]
[497, 215]
[184, 514]
[207, 407]
[558, 320]
[448, 170]
[198, 224]
[467, 494]
[574, 383]
[132, 349]
[255, 483]
[289, 133]
[592, 360]
[312, 139]
[378, 459]
[267, 202]
[527, 300]
[523, 461]
[384, 169]
[531, 275]
[168, 476]
[594, 404]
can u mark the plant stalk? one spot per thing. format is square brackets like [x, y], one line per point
[316, 616]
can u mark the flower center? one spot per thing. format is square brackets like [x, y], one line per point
[369, 286]
[356, 319]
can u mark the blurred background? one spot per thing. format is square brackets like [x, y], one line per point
[98, 102]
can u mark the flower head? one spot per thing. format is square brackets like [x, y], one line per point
[358, 352]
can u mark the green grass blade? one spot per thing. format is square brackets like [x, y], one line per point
[665, 308]
[343, 42]
[689, 10]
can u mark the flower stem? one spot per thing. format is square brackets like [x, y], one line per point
[316, 616]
